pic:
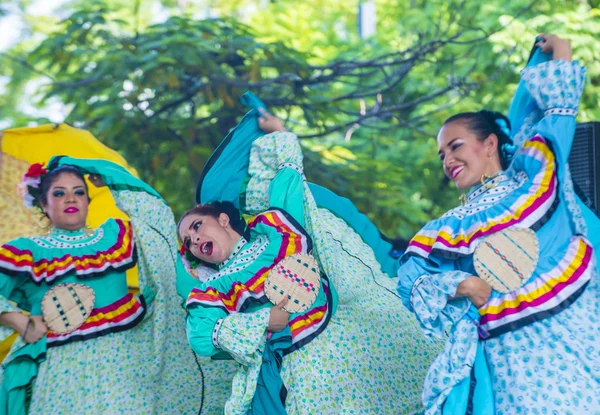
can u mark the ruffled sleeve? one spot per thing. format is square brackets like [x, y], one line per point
[9, 297]
[556, 86]
[13, 286]
[427, 289]
[20, 365]
[242, 335]
[276, 176]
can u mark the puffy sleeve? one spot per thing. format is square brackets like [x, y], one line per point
[212, 331]
[12, 299]
[13, 282]
[427, 288]
[276, 175]
[556, 86]
[19, 367]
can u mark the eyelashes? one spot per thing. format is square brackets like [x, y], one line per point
[195, 226]
[453, 147]
[60, 193]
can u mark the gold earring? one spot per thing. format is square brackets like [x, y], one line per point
[43, 225]
[485, 177]
[463, 199]
[89, 231]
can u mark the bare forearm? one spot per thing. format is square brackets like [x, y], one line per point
[14, 320]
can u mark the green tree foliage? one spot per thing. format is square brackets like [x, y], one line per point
[165, 93]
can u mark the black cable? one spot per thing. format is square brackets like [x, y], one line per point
[363, 262]
[202, 382]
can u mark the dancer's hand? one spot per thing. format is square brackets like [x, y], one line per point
[96, 180]
[269, 123]
[475, 289]
[33, 329]
[560, 48]
[279, 317]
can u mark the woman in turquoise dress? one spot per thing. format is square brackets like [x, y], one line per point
[535, 348]
[130, 355]
[354, 351]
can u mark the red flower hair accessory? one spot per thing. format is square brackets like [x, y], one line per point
[29, 186]
[35, 171]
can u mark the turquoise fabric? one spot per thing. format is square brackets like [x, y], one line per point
[223, 177]
[225, 171]
[18, 375]
[115, 177]
[474, 395]
[269, 397]
[523, 103]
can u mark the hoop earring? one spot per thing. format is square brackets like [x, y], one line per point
[485, 177]
[43, 224]
[89, 231]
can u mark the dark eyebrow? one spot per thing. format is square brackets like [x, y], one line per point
[192, 224]
[449, 144]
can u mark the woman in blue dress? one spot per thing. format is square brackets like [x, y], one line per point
[534, 348]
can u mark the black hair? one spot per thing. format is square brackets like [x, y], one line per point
[214, 210]
[50, 178]
[482, 124]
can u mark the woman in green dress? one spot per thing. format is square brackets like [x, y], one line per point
[129, 356]
[354, 351]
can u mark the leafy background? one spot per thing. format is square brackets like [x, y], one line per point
[159, 81]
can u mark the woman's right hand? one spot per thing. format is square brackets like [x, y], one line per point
[278, 318]
[475, 289]
[33, 330]
[560, 48]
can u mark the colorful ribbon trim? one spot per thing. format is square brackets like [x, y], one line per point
[525, 211]
[119, 316]
[120, 254]
[546, 295]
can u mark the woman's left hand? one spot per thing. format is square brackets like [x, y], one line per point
[34, 330]
[475, 289]
[560, 48]
[96, 180]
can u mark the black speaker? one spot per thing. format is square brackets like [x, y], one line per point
[584, 162]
